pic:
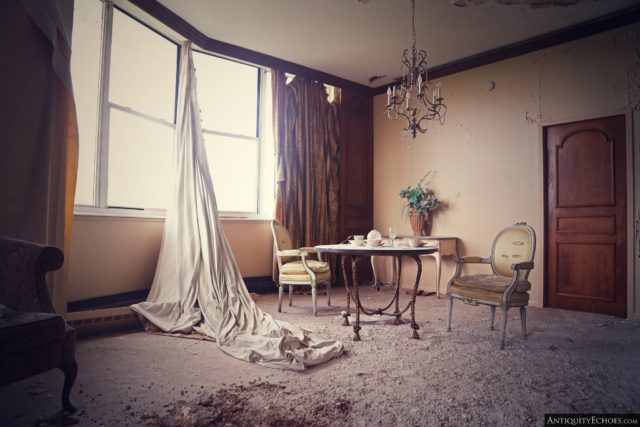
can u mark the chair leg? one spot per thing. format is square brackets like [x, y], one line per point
[503, 327]
[523, 320]
[329, 294]
[290, 295]
[280, 292]
[449, 310]
[493, 318]
[314, 300]
[70, 373]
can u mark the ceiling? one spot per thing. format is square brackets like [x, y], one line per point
[358, 39]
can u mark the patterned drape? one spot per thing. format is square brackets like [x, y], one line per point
[306, 136]
[39, 144]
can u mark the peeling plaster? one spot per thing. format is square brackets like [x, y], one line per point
[630, 39]
[633, 75]
[532, 120]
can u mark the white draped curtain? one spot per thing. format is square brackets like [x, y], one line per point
[197, 284]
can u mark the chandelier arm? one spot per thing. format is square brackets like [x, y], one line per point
[410, 98]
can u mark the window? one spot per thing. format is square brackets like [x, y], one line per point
[85, 68]
[125, 78]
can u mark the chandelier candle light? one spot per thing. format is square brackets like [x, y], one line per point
[410, 99]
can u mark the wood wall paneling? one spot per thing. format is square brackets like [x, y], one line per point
[356, 170]
[356, 163]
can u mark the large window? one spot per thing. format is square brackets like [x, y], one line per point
[125, 78]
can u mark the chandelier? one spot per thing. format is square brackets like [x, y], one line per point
[411, 98]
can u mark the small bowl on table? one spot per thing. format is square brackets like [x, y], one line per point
[357, 242]
[413, 243]
[374, 242]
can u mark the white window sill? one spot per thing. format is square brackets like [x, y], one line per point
[154, 214]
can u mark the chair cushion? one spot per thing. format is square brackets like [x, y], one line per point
[294, 271]
[483, 294]
[20, 331]
[490, 282]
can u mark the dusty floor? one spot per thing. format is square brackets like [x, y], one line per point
[571, 362]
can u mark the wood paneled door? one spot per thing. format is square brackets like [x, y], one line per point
[586, 201]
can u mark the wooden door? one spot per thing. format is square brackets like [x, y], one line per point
[586, 186]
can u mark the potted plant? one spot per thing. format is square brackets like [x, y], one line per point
[421, 201]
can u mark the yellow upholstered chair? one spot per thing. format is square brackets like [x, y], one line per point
[511, 261]
[295, 267]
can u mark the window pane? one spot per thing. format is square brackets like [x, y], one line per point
[85, 72]
[227, 94]
[267, 165]
[140, 170]
[233, 164]
[143, 68]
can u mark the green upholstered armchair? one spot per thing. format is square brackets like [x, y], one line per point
[511, 261]
[295, 267]
[33, 338]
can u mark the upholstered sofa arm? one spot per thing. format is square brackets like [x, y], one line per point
[473, 260]
[23, 266]
[522, 266]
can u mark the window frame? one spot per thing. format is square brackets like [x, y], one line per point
[100, 206]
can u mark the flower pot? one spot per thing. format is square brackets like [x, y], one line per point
[420, 223]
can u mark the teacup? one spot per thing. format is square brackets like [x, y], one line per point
[358, 237]
[413, 243]
[374, 242]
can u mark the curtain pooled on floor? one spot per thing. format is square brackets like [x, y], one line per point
[197, 285]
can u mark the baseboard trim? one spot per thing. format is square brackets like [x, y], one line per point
[258, 285]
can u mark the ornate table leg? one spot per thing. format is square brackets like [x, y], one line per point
[414, 325]
[345, 314]
[397, 273]
[356, 297]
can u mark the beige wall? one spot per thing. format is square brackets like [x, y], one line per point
[488, 154]
[112, 255]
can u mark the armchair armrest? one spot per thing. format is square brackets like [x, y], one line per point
[473, 260]
[460, 261]
[290, 252]
[23, 266]
[522, 266]
[311, 250]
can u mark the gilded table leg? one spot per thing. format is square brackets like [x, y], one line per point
[414, 325]
[354, 285]
[345, 314]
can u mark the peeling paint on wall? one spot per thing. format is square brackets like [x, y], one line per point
[630, 39]
[633, 75]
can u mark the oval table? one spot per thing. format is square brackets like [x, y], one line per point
[357, 253]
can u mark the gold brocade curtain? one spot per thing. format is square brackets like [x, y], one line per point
[39, 142]
[306, 136]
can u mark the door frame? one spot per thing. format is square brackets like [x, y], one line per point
[633, 201]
